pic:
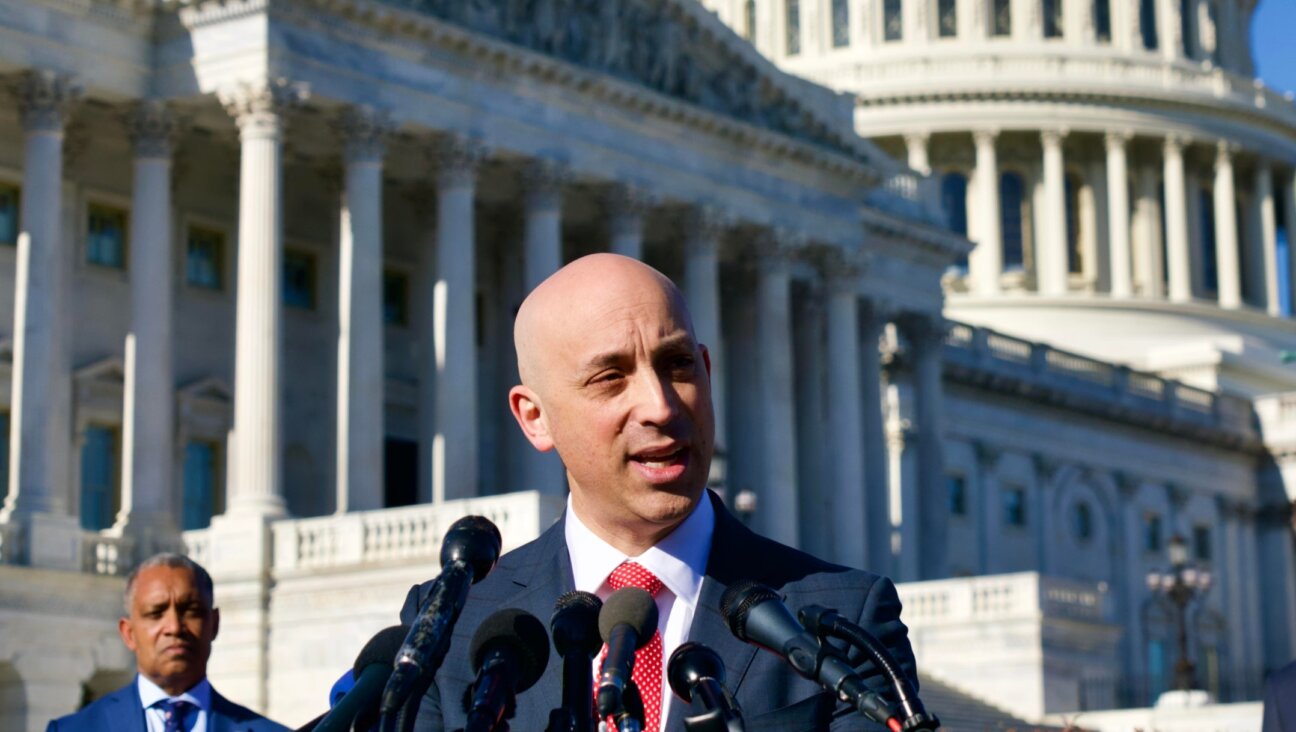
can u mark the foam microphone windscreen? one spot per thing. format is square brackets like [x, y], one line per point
[381, 649]
[629, 606]
[738, 600]
[518, 633]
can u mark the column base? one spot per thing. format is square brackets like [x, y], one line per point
[148, 535]
[48, 541]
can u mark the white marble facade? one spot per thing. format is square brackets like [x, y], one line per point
[330, 212]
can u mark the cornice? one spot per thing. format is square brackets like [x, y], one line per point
[935, 245]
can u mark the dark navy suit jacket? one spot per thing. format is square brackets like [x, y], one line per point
[120, 711]
[1280, 700]
[771, 695]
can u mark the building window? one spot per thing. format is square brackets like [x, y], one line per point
[299, 280]
[106, 236]
[956, 487]
[792, 9]
[395, 294]
[1012, 198]
[1082, 521]
[1148, 24]
[1201, 543]
[1052, 18]
[1075, 256]
[947, 18]
[892, 21]
[9, 198]
[840, 23]
[1102, 20]
[1002, 18]
[1014, 498]
[749, 21]
[1210, 272]
[205, 258]
[1152, 533]
[203, 493]
[954, 200]
[100, 497]
[1156, 667]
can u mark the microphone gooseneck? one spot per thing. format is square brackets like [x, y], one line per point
[508, 654]
[627, 623]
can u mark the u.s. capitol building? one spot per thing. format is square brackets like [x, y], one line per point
[992, 287]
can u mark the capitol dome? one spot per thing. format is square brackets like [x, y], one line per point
[1124, 174]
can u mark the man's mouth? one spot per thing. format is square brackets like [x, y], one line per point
[662, 464]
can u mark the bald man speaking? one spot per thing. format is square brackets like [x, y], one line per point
[615, 381]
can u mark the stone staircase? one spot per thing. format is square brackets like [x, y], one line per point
[960, 712]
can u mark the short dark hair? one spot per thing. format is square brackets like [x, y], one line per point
[175, 561]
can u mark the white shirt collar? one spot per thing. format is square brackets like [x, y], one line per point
[679, 560]
[150, 693]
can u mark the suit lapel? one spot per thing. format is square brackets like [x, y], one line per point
[217, 719]
[123, 712]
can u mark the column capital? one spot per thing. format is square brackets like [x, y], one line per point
[626, 205]
[776, 248]
[923, 329]
[543, 179]
[840, 268]
[985, 136]
[1175, 143]
[705, 224]
[258, 107]
[44, 99]
[917, 137]
[152, 128]
[1055, 136]
[364, 131]
[1224, 152]
[1117, 139]
[457, 158]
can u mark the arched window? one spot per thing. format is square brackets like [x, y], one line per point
[792, 10]
[840, 23]
[947, 17]
[1186, 11]
[892, 20]
[1148, 23]
[1075, 257]
[749, 21]
[1001, 22]
[954, 200]
[1082, 522]
[1052, 18]
[1012, 195]
[1102, 20]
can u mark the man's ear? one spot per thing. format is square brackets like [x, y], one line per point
[706, 358]
[530, 417]
[215, 622]
[124, 629]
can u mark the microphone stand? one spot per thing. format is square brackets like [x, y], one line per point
[575, 713]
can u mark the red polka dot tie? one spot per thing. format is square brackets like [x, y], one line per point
[648, 660]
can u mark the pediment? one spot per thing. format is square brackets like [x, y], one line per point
[208, 389]
[109, 372]
[673, 47]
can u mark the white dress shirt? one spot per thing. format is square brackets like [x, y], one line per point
[150, 694]
[679, 561]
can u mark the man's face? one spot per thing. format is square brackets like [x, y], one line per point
[170, 629]
[627, 402]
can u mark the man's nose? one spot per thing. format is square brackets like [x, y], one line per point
[656, 401]
[171, 622]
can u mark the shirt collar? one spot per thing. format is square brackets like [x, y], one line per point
[150, 693]
[679, 560]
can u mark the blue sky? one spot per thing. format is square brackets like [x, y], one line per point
[1272, 43]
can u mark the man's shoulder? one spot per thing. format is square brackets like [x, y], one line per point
[98, 714]
[241, 716]
[1284, 679]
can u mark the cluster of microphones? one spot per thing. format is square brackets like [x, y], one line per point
[510, 650]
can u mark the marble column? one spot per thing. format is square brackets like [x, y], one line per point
[360, 374]
[1148, 264]
[1267, 228]
[1170, 30]
[149, 500]
[40, 407]
[254, 483]
[1227, 266]
[926, 337]
[626, 207]
[875, 317]
[703, 231]
[778, 511]
[1289, 226]
[845, 421]
[916, 146]
[454, 322]
[1176, 221]
[1051, 258]
[542, 256]
[1118, 214]
[986, 261]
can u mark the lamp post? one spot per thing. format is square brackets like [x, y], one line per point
[1181, 585]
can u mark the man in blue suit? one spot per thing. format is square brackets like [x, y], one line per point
[1280, 700]
[170, 624]
[615, 381]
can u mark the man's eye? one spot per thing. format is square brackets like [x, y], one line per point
[608, 377]
[682, 363]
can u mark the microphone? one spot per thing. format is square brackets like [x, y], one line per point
[576, 637]
[755, 614]
[372, 667]
[508, 653]
[627, 622]
[468, 553]
[698, 671]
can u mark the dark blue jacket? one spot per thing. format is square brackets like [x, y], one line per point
[1280, 700]
[771, 695]
[120, 711]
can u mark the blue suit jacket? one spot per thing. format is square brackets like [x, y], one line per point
[771, 695]
[1280, 701]
[120, 711]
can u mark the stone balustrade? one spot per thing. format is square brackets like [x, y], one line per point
[996, 598]
[106, 554]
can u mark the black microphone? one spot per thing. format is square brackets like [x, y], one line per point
[627, 622]
[508, 653]
[698, 671]
[359, 708]
[757, 615]
[576, 637]
[468, 553]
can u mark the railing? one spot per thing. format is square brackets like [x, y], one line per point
[983, 349]
[198, 545]
[103, 554]
[1023, 595]
[911, 195]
